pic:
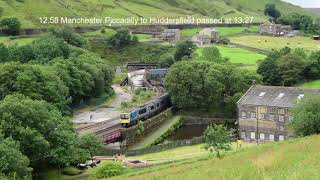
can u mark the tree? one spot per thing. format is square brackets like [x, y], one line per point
[217, 138]
[121, 38]
[306, 116]
[4, 53]
[67, 34]
[211, 54]
[166, 60]
[11, 26]
[184, 49]
[90, 145]
[270, 10]
[313, 66]
[291, 68]
[12, 160]
[23, 53]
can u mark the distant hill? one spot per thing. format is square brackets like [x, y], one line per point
[314, 10]
[29, 11]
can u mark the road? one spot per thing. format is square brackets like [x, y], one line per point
[110, 113]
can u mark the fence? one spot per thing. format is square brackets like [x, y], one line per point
[153, 149]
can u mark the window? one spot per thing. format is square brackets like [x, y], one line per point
[280, 96]
[281, 137]
[151, 107]
[273, 109]
[281, 118]
[262, 116]
[253, 115]
[271, 117]
[253, 135]
[142, 111]
[262, 136]
[243, 135]
[243, 114]
[281, 111]
[262, 94]
[271, 137]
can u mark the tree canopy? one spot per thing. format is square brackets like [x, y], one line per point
[11, 25]
[184, 49]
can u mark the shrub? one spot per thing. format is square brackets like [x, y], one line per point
[103, 31]
[71, 171]
[11, 26]
[108, 169]
[224, 41]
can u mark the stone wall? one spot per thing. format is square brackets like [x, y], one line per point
[130, 135]
[189, 120]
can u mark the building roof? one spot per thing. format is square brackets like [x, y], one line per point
[277, 96]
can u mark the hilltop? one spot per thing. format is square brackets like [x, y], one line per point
[29, 11]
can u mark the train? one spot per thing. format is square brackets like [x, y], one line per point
[145, 111]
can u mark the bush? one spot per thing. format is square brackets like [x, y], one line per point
[224, 41]
[67, 34]
[71, 171]
[11, 26]
[103, 31]
[108, 169]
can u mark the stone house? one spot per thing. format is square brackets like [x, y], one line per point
[207, 36]
[264, 112]
[274, 29]
[171, 35]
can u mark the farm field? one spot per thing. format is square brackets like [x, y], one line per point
[311, 85]
[291, 159]
[273, 43]
[238, 55]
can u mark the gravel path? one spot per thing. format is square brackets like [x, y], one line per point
[106, 113]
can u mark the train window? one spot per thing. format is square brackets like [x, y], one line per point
[151, 107]
[142, 111]
[124, 116]
[158, 104]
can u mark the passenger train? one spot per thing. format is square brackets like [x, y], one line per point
[145, 111]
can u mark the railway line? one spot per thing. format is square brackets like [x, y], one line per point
[111, 130]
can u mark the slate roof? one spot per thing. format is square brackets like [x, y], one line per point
[271, 93]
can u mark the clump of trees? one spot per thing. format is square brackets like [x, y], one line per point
[272, 11]
[207, 85]
[184, 50]
[122, 38]
[306, 116]
[67, 34]
[301, 22]
[217, 139]
[288, 67]
[11, 26]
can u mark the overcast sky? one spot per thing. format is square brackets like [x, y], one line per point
[305, 3]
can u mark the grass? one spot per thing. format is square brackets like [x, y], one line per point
[143, 37]
[100, 33]
[29, 11]
[224, 31]
[272, 43]
[138, 99]
[291, 159]
[18, 41]
[238, 55]
[311, 85]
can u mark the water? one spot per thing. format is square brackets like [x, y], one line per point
[191, 131]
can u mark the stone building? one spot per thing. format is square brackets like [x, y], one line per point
[274, 29]
[207, 36]
[264, 112]
[170, 35]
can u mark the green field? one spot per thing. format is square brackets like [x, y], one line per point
[18, 41]
[311, 85]
[100, 33]
[29, 11]
[224, 31]
[272, 43]
[238, 55]
[291, 159]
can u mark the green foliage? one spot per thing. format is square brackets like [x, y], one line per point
[12, 160]
[177, 122]
[203, 85]
[4, 53]
[270, 10]
[121, 38]
[71, 171]
[217, 139]
[140, 128]
[211, 54]
[306, 116]
[184, 49]
[138, 99]
[313, 66]
[166, 60]
[11, 26]
[68, 35]
[89, 145]
[107, 169]
[300, 22]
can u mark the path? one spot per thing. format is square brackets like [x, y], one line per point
[155, 134]
[109, 113]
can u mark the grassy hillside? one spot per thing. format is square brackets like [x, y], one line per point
[29, 11]
[292, 159]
